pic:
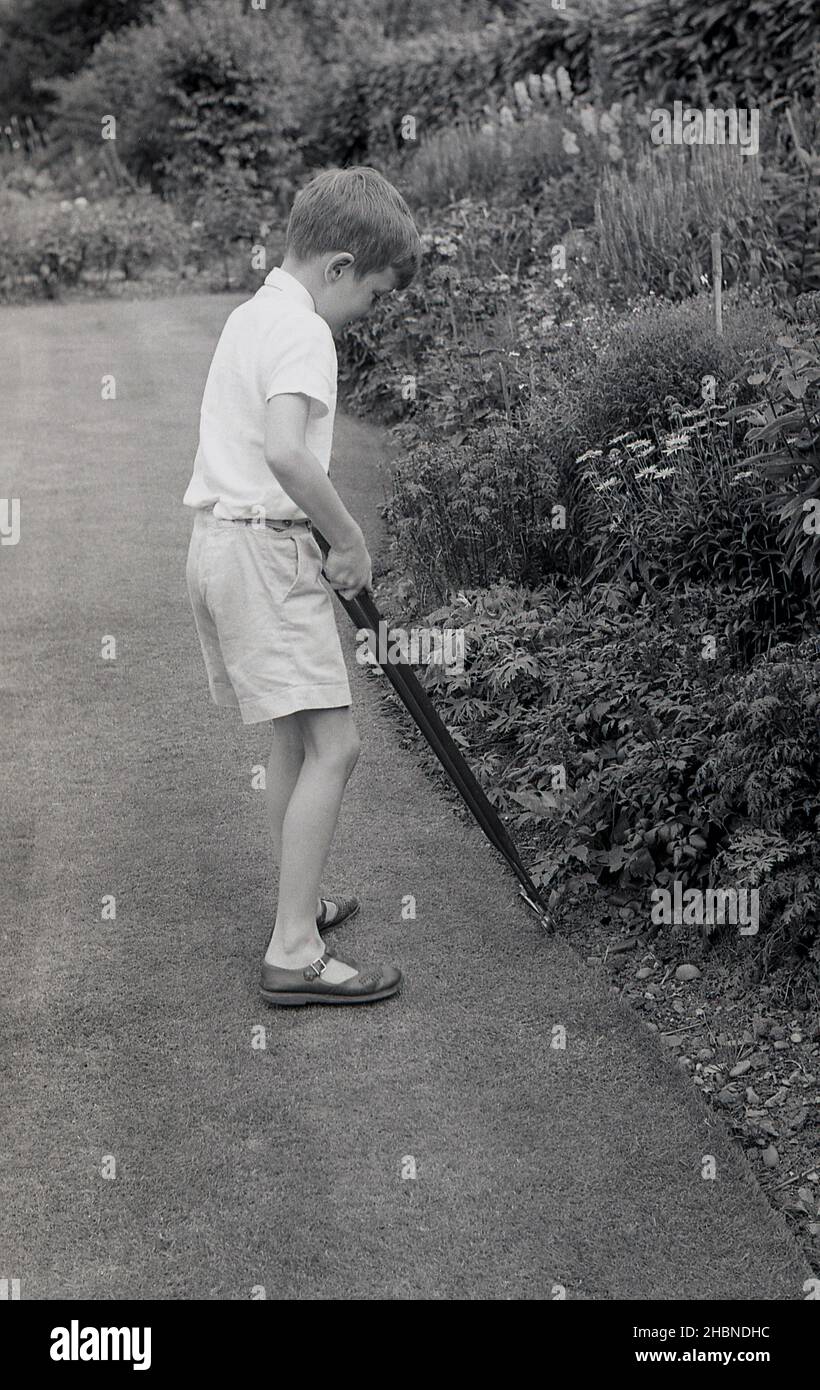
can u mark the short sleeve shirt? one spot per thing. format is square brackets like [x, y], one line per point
[273, 344]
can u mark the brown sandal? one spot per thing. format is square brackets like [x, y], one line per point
[293, 987]
[346, 909]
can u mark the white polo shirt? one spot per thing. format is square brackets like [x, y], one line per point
[273, 344]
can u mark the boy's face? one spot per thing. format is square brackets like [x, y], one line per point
[342, 299]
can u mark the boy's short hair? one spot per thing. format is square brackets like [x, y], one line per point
[355, 210]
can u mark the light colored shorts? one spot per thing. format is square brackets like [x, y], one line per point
[265, 619]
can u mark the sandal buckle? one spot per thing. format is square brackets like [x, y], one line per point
[313, 967]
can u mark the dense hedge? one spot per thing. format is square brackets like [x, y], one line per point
[754, 47]
[436, 78]
[658, 52]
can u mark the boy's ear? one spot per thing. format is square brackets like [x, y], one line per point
[337, 264]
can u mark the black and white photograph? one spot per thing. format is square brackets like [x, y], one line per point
[410, 677]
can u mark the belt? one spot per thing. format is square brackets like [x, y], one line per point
[280, 525]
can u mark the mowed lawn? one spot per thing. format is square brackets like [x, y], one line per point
[150, 1149]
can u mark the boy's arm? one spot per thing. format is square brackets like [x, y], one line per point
[348, 565]
[301, 474]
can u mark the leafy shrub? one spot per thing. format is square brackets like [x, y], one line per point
[677, 512]
[28, 177]
[674, 51]
[130, 234]
[601, 733]
[48, 245]
[791, 178]
[760, 780]
[338, 32]
[601, 720]
[43, 247]
[229, 212]
[786, 873]
[764, 765]
[660, 352]
[42, 39]
[474, 510]
[442, 329]
[785, 420]
[192, 89]
[665, 493]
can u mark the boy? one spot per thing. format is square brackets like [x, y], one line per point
[264, 618]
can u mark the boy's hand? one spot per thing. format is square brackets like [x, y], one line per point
[349, 569]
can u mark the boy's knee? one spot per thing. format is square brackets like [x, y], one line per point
[336, 745]
[349, 752]
[339, 758]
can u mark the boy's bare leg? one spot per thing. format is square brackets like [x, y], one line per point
[330, 752]
[287, 752]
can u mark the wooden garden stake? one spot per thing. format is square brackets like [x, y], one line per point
[754, 267]
[717, 282]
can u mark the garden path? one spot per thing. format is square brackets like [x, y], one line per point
[538, 1168]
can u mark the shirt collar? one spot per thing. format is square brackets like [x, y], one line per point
[280, 279]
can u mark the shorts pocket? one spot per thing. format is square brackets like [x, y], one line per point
[314, 560]
[281, 565]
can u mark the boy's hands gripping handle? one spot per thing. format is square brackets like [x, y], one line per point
[349, 569]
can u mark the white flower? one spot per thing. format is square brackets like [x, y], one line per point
[521, 94]
[674, 442]
[608, 482]
[606, 124]
[641, 444]
[569, 142]
[506, 117]
[548, 86]
[588, 119]
[590, 454]
[614, 150]
[617, 439]
[649, 472]
[665, 472]
[534, 85]
[81, 202]
[563, 83]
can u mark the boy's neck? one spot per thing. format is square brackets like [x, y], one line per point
[305, 274]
